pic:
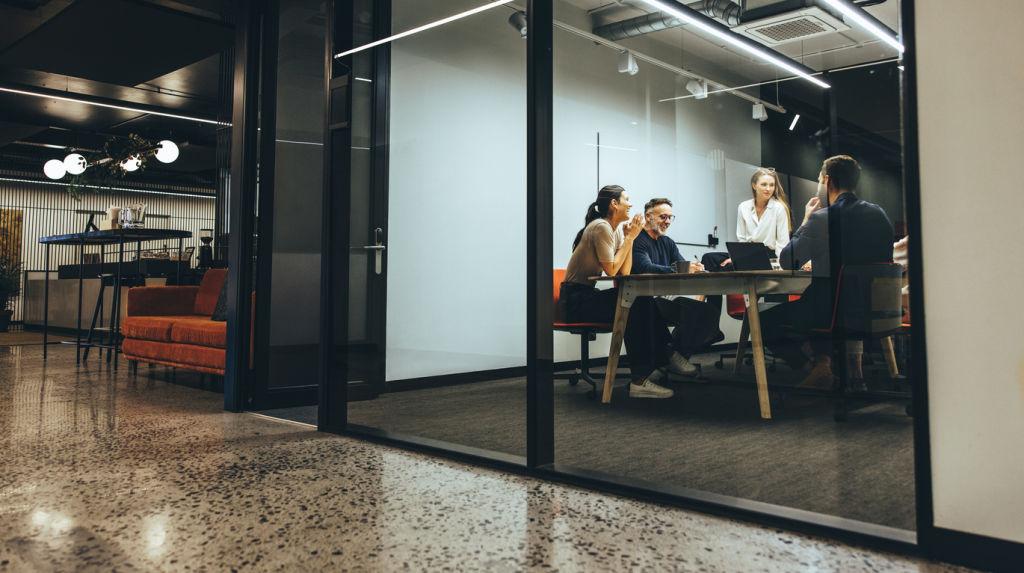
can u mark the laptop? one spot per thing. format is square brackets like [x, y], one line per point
[750, 256]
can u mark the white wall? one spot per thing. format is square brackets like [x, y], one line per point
[458, 177]
[971, 205]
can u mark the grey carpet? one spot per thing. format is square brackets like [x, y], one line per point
[707, 437]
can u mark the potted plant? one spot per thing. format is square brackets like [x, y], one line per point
[10, 286]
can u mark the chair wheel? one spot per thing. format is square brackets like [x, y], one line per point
[719, 364]
[574, 380]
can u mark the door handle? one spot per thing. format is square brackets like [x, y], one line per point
[378, 250]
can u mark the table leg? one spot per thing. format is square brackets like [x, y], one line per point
[46, 299]
[177, 266]
[890, 357]
[757, 345]
[741, 344]
[78, 329]
[115, 326]
[618, 331]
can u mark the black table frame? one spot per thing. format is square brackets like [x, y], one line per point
[102, 238]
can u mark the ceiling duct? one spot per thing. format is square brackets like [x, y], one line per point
[723, 10]
[788, 21]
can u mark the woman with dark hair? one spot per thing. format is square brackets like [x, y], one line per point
[605, 246]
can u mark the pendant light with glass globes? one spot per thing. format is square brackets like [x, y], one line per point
[165, 151]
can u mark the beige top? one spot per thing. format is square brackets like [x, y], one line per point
[598, 245]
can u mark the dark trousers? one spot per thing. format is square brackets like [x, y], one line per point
[647, 338]
[787, 326]
[696, 323]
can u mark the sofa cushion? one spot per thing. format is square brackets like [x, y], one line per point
[156, 328]
[209, 290]
[186, 355]
[200, 331]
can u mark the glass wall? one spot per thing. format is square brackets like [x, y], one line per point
[765, 354]
[291, 191]
[823, 426]
[435, 232]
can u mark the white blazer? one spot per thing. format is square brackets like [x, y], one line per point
[772, 229]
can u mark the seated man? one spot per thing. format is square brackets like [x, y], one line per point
[862, 234]
[696, 323]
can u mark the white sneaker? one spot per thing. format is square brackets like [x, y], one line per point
[648, 389]
[677, 364]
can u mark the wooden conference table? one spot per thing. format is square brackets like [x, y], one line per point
[751, 283]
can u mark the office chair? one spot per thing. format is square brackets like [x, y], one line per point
[867, 306]
[587, 331]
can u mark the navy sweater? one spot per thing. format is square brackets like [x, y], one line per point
[650, 256]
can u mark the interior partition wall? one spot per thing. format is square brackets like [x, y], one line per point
[459, 160]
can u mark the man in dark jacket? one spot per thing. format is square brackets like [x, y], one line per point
[835, 221]
[696, 323]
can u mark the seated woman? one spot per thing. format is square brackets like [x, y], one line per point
[764, 218]
[605, 245]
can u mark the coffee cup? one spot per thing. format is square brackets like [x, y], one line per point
[682, 267]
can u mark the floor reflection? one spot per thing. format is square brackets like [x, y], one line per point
[102, 470]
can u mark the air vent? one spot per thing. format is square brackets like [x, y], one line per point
[791, 26]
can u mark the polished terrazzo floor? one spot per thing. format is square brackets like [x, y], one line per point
[102, 471]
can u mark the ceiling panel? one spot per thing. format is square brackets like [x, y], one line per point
[117, 42]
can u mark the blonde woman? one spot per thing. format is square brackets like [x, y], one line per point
[765, 218]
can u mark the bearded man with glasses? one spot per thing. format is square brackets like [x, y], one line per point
[696, 322]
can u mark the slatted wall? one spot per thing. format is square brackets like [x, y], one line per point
[47, 209]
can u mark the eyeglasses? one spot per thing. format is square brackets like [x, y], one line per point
[667, 218]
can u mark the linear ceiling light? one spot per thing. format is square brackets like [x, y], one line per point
[106, 188]
[692, 17]
[796, 118]
[864, 20]
[428, 26]
[112, 106]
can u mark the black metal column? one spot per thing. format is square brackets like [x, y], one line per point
[244, 158]
[539, 336]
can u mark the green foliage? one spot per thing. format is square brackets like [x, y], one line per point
[117, 150]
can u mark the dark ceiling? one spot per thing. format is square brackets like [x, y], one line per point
[160, 55]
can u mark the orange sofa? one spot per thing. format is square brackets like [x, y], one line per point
[172, 325]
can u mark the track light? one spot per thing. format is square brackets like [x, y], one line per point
[699, 89]
[796, 118]
[627, 64]
[759, 112]
[518, 21]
